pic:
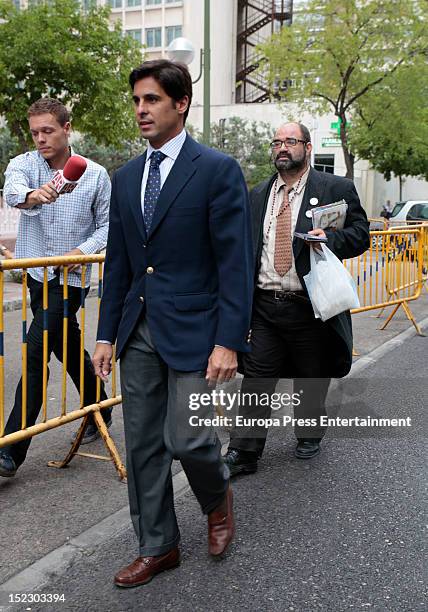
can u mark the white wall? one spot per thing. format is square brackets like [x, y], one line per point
[223, 47]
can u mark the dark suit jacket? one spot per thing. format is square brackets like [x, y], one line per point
[193, 271]
[351, 241]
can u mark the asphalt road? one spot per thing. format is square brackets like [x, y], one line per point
[344, 531]
[42, 508]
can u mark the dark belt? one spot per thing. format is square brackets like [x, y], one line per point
[283, 295]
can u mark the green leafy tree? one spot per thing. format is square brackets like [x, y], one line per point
[57, 49]
[390, 128]
[111, 157]
[337, 52]
[8, 148]
[248, 142]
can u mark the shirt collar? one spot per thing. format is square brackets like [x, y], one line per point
[45, 161]
[302, 184]
[171, 148]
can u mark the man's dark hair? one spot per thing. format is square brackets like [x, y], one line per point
[305, 132]
[173, 77]
[49, 105]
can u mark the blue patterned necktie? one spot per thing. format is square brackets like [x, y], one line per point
[153, 187]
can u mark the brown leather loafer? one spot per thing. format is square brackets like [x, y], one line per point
[221, 526]
[142, 570]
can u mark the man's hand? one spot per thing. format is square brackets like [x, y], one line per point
[72, 268]
[222, 366]
[46, 194]
[102, 360]
[316, 232]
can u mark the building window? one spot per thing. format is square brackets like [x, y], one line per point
[115, 3]
[87, 5]
[154, 37]
[151, 2]
[133, 2]
[135, 34]
[173, 32]
[324, 163]
[172, 1]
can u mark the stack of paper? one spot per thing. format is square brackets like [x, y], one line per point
[331, 215]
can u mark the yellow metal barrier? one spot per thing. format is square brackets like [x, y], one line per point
[65, 416]
[380, 222]
[424, 225]
[425, 257]
[391, 272]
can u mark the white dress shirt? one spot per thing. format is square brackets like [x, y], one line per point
[75, 220]
[268, 277]
[171, 149]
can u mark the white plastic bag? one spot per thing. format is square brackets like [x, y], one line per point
[330, 286]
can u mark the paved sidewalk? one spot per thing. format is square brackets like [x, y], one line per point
[13, 291]
[9, 241]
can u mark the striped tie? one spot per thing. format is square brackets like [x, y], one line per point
[283, 247]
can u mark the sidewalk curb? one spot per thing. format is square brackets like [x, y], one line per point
[384, 349]
[16, 304]
[56, 563]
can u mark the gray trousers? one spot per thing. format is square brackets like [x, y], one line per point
[155, 413]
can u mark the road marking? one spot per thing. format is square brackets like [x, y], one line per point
[384, 349]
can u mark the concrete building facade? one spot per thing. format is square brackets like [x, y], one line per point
[156, 22]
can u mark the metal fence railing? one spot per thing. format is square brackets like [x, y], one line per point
[391, 273]
[9, 218]
[63, 414]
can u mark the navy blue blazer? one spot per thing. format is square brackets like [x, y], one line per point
[192, 274]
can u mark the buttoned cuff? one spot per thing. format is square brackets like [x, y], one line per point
[90, 247]
[19, 197]
[32, 212]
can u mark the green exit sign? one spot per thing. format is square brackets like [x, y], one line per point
[336, 126]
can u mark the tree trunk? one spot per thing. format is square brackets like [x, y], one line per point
[400, 182]
[18, 132]
[349, 157]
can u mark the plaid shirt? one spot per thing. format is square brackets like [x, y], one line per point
[75, 220]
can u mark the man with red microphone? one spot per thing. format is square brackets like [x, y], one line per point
[64, 201]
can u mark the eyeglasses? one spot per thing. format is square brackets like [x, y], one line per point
[289, 142]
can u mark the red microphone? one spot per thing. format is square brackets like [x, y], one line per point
[65, 181]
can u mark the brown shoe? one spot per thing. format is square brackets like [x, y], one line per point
[221, 526]
[142, 570]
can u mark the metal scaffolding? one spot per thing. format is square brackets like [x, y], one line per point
[257, 20]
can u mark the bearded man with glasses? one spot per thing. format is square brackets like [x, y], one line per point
[287, 341]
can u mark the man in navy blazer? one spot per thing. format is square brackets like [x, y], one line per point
[177, 300]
